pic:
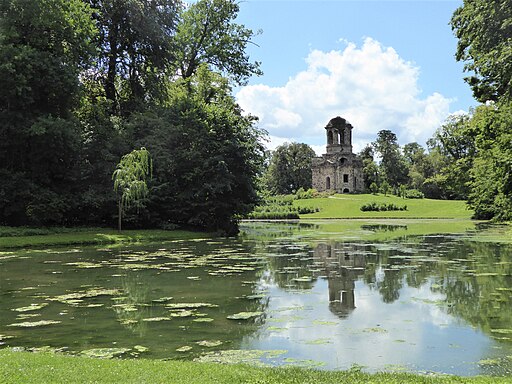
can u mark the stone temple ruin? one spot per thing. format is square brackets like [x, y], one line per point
[339, 169]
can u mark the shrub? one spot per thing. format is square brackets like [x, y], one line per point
[414, 194]
[382, 207]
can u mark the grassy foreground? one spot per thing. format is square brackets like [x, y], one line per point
[69, 236]
[348, 206]
[24, 367]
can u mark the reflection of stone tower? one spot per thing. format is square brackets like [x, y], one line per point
[339, 169]
[342, 267]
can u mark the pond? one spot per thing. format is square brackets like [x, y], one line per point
[365, 296]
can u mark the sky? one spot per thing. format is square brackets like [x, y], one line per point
[379, 64]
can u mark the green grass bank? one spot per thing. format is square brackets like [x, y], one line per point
[37, 368]
[32, 237]
[348, 207]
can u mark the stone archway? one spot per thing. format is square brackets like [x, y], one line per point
[346, 190]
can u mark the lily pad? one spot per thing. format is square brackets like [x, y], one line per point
[244, 315]
[155, 319]
[238, 356]
[31, 324]
[163, 299]
[502, 331]
[140, 348]
[105, 353]
[185, 348]
[203, 320]
[31, 307]
[190, 305]
[182, 313]
[209, 343]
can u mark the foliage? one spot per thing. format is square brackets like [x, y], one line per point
[414, 194]
[483, 29]
[281, 207]
[43, 46]
[134, 42]
[452, 151]
[393, 167]
[207, 35]
[216, 156]
[289, 168]
[82, 82]
[382, 207]
[491, 175]
[130, 179]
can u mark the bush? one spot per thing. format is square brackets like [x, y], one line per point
[382, 207]
[414, 194]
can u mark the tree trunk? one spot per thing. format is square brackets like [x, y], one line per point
[120, 214]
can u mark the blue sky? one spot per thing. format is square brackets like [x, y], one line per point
[380, 64]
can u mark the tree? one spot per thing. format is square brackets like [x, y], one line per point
[491, 174]
[393, 166]
[207, 35]
[208, 156]
[130, 180]
[290, 168]
[135, 49]
[44, 44]
[370, 169]
[483, 28]
[454, 145]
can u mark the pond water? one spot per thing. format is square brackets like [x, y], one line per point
[281, 294]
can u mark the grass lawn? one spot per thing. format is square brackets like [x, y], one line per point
[348, 206]
[26, 368]
[70, 236]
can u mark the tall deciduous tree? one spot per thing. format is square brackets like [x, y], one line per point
[135, 48]
[290, 168]
[484, 30]
[453, 145]
[394, 169]
[44, 44]
[207, 34]
[207, 154]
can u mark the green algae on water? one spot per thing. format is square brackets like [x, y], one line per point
[244, 315]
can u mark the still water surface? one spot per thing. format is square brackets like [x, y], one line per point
[285, 294]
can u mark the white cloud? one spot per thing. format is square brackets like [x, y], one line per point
[371, 86]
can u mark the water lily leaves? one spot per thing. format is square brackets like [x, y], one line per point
[240, 356]
[163, 299]
[502, 331]
[183, 313]
[244, 315]
[31, 307]
[185, 348]
[31, 324]
[105, 353]
[209, 343]
[77, 297]
[155, 319]
[203, 320]
[190, 305]
[140, 349]
[84, 264]
[303, 279]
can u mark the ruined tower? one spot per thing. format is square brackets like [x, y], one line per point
[339, 169]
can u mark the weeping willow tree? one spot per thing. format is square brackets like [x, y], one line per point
[130, 180]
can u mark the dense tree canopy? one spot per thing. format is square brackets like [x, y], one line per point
[484, 30]
[84, 82]
[290, 168]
